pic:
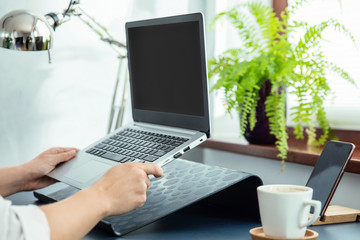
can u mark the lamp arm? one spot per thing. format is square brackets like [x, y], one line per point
[76, 9]
[119, 97]
[98, 28]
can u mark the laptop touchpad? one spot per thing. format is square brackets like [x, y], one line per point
[88, 171]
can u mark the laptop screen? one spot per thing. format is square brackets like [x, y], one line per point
[167, 68]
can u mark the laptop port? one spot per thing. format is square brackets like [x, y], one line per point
[186, 149]
[177, 155]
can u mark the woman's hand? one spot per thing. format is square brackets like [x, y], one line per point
[36, 169]
[32, 175]
[123, 187]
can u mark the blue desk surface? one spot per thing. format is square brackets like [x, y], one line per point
[195, 223]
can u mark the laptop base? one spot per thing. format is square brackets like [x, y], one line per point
[183, 183]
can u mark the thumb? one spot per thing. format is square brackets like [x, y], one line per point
[64, 156]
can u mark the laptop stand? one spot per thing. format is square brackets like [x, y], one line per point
[183, 183]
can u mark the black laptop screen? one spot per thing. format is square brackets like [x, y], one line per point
[166, 68]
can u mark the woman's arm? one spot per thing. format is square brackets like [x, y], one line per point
[121, 189]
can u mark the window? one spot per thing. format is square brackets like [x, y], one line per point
[343, 109]
[225, 127]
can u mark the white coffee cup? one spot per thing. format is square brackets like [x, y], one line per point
[285, 209]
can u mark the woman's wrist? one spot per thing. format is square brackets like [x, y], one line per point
[12, 180]
[21, 178]
[28, 176]
[73, 217]
[99, 200]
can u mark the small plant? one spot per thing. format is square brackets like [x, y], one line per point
[268, 51]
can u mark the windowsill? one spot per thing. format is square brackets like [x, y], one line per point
[299, 151]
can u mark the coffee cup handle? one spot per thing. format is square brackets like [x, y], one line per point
[317, 208]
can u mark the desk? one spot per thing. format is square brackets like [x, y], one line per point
[195, 223]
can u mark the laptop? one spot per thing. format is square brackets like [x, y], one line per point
[169, 100]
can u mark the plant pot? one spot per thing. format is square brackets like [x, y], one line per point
[261, 132]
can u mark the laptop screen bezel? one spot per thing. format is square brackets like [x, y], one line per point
[198, 123]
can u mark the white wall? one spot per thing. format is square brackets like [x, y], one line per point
[347, 193]
[66, 103]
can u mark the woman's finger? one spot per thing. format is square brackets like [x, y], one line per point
[64, 156]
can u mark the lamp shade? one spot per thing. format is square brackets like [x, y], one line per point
[25, 31]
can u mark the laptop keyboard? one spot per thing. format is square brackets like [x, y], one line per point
[130, 144]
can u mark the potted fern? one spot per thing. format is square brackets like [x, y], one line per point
[267, 63]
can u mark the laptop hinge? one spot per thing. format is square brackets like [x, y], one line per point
[166, 128]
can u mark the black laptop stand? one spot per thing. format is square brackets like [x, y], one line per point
[184, 183]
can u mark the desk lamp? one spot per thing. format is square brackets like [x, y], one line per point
[23, 30]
